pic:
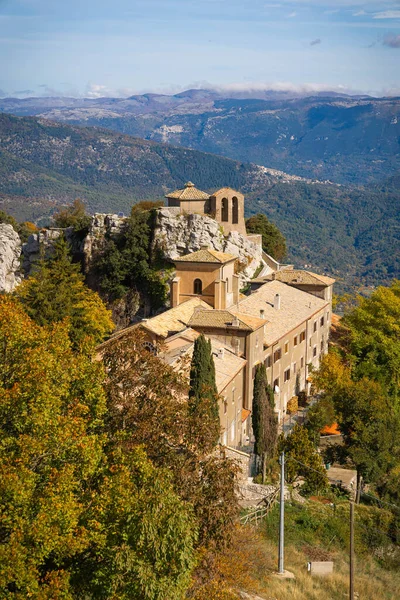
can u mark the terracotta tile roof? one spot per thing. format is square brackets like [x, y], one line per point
[174, 319]
[227, 188]
[302, 277]
[179, 349]
[207, 256]
[189, 192]
[296, 307]
[221, 319]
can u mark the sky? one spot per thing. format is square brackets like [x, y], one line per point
[99, 48]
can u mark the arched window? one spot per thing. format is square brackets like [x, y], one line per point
[224, 209]
[197, 287]
[150, 347]
[235, 210]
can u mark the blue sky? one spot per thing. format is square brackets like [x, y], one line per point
[120, 47]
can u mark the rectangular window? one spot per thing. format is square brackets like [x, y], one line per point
[302, 336]
[327, 316]
[302, 362]
[314, 351]
[286, 347]
[322, 321]
[225, 407]
[322, 346]
[286, 375]
[294, 367]
[277, 355]
[233, 395]
[315, 326]
[276, 383]
[268, 361]
[295, 341]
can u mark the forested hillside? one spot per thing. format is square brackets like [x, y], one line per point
[345, 139]
[349, 232]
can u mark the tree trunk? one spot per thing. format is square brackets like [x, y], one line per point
[264, 466]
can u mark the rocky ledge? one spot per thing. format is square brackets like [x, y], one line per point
[10, 252]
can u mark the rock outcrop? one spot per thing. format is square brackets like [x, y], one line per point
[101, 226]
[10, 252]
[176, 235]
[38, 243]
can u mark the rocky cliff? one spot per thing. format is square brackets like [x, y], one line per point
[176, 235]
[10, 252]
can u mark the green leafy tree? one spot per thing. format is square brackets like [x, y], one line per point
[273, 242]
[302, 459]
[318, 415]
[74, 216]
[51, 406]
[125, 262]
[82, 514]
[203, 396]
[56, 292]
[145, 534]
[264, 421]
[374, 331]
[365, 415]
[148, 402]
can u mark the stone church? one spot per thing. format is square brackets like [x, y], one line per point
[226, 205]
[283, 320]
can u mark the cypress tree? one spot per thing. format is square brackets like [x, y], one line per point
[263, 418]
[203, 396]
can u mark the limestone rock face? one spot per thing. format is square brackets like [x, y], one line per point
[10, 252]
[176, 235]
[43, 241]
[102, 225]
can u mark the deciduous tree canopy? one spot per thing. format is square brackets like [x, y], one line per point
[273, 242]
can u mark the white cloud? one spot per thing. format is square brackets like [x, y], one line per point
[292, 15]
[387, 14]
[359, 13]
[277, 86]
[96, 90]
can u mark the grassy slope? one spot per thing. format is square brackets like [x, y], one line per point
[312, 532]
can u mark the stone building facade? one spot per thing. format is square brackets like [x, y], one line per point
[225, 205]
[284, 322]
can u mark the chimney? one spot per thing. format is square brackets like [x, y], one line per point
[221, 353]
[235, 322]
[277, 301]
[203, 246]
[262, 313]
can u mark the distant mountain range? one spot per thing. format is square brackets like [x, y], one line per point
[351, 233]
[344, 139]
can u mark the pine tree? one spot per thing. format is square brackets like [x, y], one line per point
[263, 418]
[57, 292]
[203, 396]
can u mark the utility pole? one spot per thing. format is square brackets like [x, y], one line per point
[281, 568]
[351, 550]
